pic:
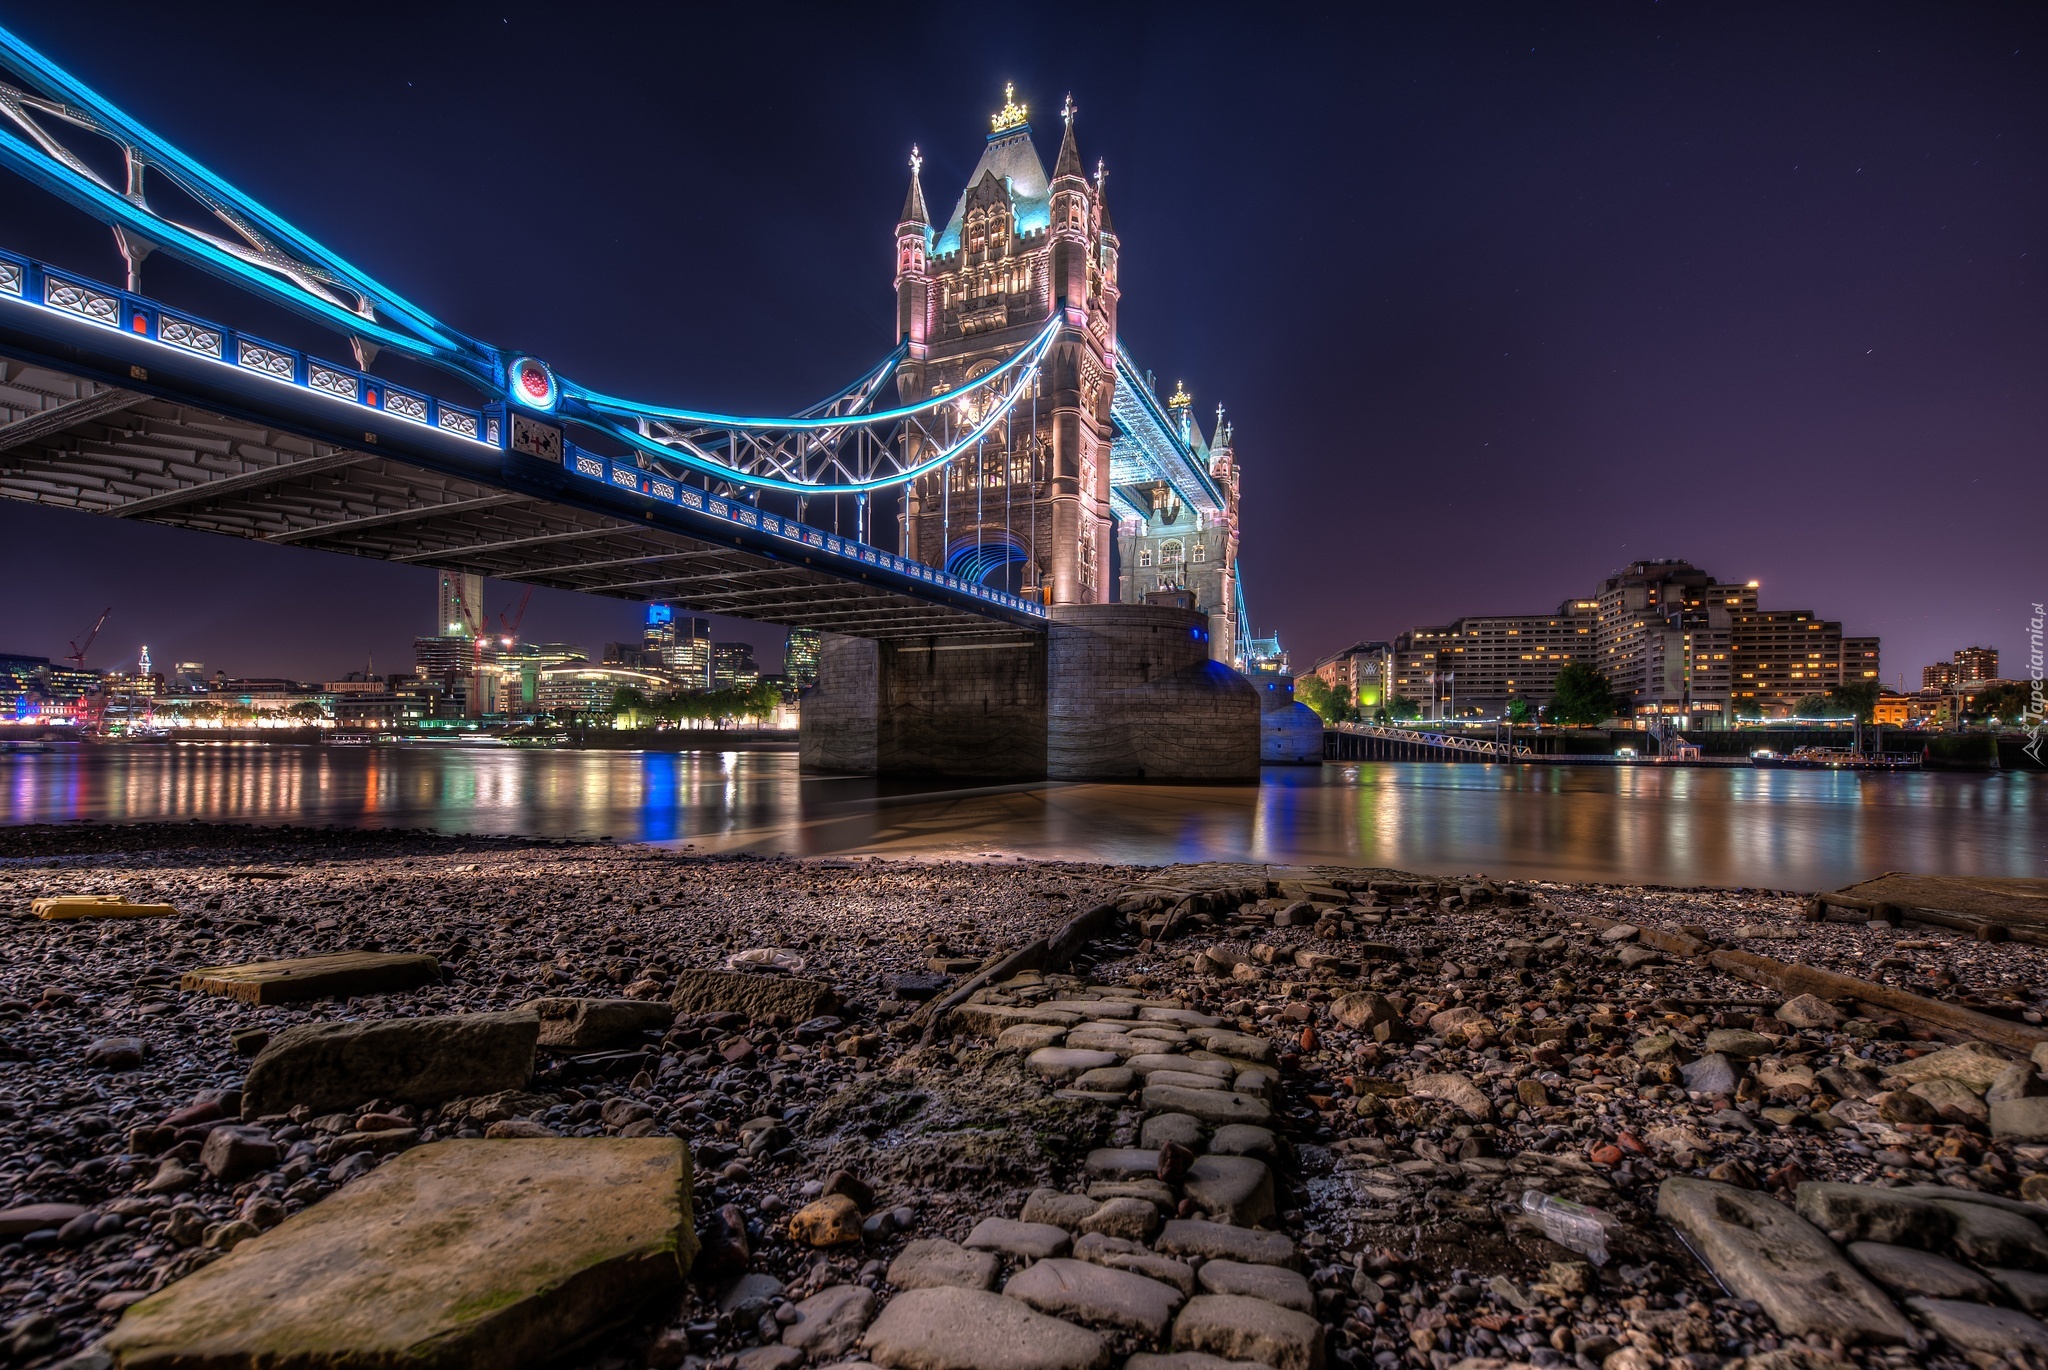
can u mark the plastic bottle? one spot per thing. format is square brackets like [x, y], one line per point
[1576, 1226]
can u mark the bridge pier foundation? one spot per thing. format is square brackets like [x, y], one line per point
[1110, 692]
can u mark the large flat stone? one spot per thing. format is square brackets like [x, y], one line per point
[1231, 1189]
[1456, 1089]
[1122, 1163]
[314, 977]
[457, 1254]
[1065, 1063]
[1211, 1106]
[1178, 1128]
[1188, 1360]
[587, 1024]
[2027, 1289]
[1992, 1236]
[988, 1020]
[970, 1329]
[1183, 1065]
[330, 1066]
[2020, 1120]
[1097, 1296]
[1273, 1283]
[1762, 1250]
[1906, 1272]
[1975, 1327]
[1244, 1139]
[1972, 1063]
[1122, 1253]
[1242, 1045]
[1027, 1241]
[829, 1322]
[1196, 1237]
[1867, 1213]
[934, 1262]
[1060, 1210]
[1240, 1328]
[757, 994]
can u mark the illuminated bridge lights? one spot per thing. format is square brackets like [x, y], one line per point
[626, 476]
[843, 445]
[69, 295]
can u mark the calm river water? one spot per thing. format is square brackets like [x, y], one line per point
[1681, 826]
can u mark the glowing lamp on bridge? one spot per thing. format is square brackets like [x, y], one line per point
[533, 385]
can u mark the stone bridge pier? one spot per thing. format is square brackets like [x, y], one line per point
[1109, 692]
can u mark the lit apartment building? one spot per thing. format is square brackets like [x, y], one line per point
[1476, 665]
[1782, 656]
[1975, 665]
[1669, 637]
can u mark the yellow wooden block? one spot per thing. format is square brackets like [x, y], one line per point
[68, 906]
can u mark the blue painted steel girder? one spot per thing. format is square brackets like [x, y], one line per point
[839, 446]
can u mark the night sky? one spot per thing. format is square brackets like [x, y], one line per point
[1499, 300]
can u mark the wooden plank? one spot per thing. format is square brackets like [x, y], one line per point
[1793, 980]
[315, 977]
[1980, 899]
[65, 907]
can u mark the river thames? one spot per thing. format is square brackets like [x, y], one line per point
[1799, 830]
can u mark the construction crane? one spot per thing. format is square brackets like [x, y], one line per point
[76, 656]
[509, 628]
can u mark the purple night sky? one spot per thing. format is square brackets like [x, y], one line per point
[1499, 299]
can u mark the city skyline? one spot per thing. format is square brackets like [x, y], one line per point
[1671, 285]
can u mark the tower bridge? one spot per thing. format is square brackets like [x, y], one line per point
[1020, 618]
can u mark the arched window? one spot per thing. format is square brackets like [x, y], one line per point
[1170, 552]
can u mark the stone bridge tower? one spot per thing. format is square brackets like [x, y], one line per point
[1029, 510]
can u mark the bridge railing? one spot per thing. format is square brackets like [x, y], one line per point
[626, 475]
[1448, 741]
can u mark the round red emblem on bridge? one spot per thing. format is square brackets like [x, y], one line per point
[533, 384]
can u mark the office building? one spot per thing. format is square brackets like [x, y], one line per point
[587, 691]
[732, 666]
[678, 647]
[800, 657]
[460, 611]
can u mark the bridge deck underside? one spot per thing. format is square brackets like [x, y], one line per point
[76, 444]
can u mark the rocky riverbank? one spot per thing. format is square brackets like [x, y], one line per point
[1286, 1117]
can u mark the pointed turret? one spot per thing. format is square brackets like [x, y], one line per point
[1102, 197]
[1069, 163]
[913, 250]
[913, 203]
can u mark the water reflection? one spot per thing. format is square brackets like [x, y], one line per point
[1777, 829]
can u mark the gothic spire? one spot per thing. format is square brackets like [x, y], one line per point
[1102, 200]
[1069, 163]
[913, 203]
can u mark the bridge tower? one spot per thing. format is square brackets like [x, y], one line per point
[1030, 510]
